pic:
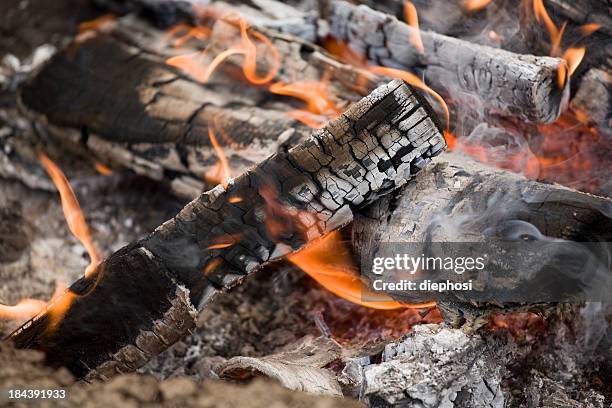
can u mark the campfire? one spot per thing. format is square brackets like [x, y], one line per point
[198, 193]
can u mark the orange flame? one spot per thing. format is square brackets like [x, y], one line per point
[555, 34]
[415, 81]
[309, 119]
[221, 246]
[329, 262]
[246, 47]
[475, 5]
[574, 57]
[72, 212]
[62, 298]
[98, 24]
[315, 93]
[25, 309]
[220, 174]
[589, 28]
[182, 33]
[103, 169]
[412, 18]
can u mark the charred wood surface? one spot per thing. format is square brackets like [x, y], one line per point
[586, 11]
[138, 112]
[525, 86]
[146, 296]
[594, 98]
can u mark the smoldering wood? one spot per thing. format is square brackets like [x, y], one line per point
[524, 86]
[457, 199]
[300, 367]
[271, 14]
[586, 11]
[594, 98]
[145, 296]
[154, 120]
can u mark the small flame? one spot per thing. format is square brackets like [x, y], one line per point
[415, 81]
[574, 56]
[493, 35]
[221, 245]
[220, 173]
[555, 34]
[182, 33]
[328, 261]
[235, 200]
[72, 212]
[475, 5]
[412, 18]
[62, 298]
[98, 24]
[212, 265]
[316, 94]
[189, 63]
[589, 28]
[309, 119]
[103, 169]
[25, 309]
[90, 29]
[344, 52]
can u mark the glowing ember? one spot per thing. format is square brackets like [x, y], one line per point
[235, 200]
[72, 212]
[329, 262]
[523, 325]
[475, 5]
[412, 18]
[220, 173]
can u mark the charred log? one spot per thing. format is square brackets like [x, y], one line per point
[583, 12]
[153, 119]
[593, 99]
[458, 199]
[146, 296]
[525, 86]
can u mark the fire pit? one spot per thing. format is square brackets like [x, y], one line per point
[305, 191]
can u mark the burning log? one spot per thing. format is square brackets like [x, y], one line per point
[458, 198]
[146, 296]
[154, 120]
[593, 99]
[525, 86]
[586, 11]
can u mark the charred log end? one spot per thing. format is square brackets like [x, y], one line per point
[136, 299]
